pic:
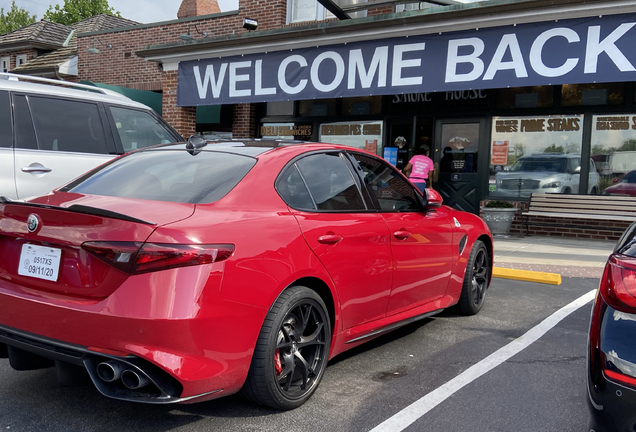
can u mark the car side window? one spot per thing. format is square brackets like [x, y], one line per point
[293, 190]
[24, 132]
[6, 134]
[331, 183]
[138, 129]
[392, 191]
[68, 126]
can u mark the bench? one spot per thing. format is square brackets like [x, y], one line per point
[572, 209]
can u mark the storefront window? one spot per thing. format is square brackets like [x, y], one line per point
[317, 108]
[362, 135]
[366, 105]
[525, 97]
[614, 153]
[592, 94]
[460, 148]
[536, 155]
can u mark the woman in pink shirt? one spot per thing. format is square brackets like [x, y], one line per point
[418, 168]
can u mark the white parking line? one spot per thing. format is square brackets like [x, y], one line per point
[419, 408]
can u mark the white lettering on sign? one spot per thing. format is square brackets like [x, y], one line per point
[259, 90]
[399, 64]
[282, 69]
[509, 43]
[536, 53]
[378, 66]
[455, 59]
[209, 80]
[340, 71]
[608, 46]
[236, 78]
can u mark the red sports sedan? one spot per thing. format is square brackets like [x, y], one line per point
[186, 272]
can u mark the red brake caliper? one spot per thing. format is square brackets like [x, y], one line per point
[277, 363]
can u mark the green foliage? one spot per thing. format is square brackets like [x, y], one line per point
[498, 204]
[554, 149]
[600, 150]
[628, 145]
[14, 19]
[78, 10]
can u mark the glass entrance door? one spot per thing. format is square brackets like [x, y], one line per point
[461, 150]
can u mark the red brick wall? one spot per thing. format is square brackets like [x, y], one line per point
[244, 125]
[380, 10]
[190, 8]
[183, 119]
[12, 54]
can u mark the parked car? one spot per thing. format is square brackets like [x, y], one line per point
[611, 358]
[625, 186]
[545, 173]
[53, 131]
[187, 272]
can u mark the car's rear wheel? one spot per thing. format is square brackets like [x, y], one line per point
[292, 350]
[476, 279]
[567, 190]
[594, 191]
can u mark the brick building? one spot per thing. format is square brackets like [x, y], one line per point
[483, 86]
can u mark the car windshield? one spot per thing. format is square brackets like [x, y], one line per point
[630, 177]
[540, 164]
[167, 175]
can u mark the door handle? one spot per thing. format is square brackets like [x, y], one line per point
[329, 239]
[402, 235]
[36, 168]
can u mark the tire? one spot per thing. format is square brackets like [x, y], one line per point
[291, 352]
[476, 280]
[567, 191]
[594, 191]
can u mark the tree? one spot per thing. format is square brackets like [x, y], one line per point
[78, 10]
[628, 145]
[554, 149]
[14, 19]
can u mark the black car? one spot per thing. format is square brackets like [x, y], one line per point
[611, 358]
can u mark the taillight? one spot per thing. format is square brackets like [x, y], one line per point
[620, 378]
[120, 255]
[153, 257]
[618, 285]
[136, 258]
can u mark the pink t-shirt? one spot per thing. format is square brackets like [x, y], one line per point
[421, 167]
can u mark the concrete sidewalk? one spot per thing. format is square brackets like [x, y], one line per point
[569, 257]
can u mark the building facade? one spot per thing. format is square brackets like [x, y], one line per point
[509, 97]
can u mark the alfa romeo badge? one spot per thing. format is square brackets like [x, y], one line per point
[32, 223]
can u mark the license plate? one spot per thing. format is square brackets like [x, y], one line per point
[40, 262]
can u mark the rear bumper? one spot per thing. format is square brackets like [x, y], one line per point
[172, 325]
[612, 409]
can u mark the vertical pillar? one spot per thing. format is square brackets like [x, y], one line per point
[244, 124]
[183, 119]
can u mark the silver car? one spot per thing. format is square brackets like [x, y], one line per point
[53, 131]
[545, 173]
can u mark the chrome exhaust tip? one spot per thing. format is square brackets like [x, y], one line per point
[134, 380]
[110, 371]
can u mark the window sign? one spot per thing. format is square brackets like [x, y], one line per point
[288, 131]
[614, 153]
[537, 155]
[362, 135]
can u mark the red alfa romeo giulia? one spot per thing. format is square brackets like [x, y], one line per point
[186, 272]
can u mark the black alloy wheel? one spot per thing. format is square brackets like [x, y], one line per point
[291, 352]
[476, 280]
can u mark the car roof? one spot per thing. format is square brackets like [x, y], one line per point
[98, 95]
[251, 147]
[551, 155]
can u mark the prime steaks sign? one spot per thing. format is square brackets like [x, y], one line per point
[564, 52]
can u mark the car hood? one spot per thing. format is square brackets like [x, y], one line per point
[534, 175]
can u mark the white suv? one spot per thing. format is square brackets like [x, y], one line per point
[53, 131]
[546, 173]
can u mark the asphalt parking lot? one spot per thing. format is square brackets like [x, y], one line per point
[540, 389]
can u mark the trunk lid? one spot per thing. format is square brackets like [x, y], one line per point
[41, 240]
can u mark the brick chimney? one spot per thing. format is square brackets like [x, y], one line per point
[192, 8]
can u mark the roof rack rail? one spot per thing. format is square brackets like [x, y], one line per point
[19, 77]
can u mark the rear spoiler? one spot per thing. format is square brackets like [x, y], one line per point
[93, 211]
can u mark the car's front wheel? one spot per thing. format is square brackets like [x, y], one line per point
[476, 279]
[292, 350]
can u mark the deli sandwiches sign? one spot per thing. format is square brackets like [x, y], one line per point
[570, 51]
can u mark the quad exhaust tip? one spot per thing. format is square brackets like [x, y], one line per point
[134, 380]
[110, 371]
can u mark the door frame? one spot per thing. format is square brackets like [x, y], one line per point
[483, 151]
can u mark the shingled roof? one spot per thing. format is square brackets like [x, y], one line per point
[40, 34]
[51, 62]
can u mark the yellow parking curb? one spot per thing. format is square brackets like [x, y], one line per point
[526, 275]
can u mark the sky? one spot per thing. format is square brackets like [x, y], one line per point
[143, 11]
